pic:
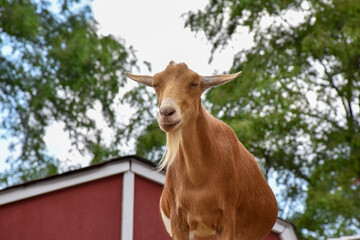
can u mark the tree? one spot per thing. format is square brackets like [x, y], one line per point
[143, 126]
[296, 107]
[54, 67]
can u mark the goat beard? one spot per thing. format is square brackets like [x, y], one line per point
[173, 141]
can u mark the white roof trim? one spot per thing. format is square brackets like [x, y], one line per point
[53, 184]
[86, 175]
[285, 230]
[145, 171]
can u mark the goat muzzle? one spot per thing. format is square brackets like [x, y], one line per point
[167, 111]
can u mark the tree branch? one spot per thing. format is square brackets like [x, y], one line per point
[339, 92]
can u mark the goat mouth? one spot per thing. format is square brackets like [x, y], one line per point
[167, 126]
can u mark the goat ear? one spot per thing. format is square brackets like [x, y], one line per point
[216, 80]
[144, 79]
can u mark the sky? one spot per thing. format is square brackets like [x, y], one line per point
[155, 29]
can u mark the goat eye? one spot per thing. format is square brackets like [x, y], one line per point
[156, 86]
[194, 85]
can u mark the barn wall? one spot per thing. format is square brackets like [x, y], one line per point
[89, 211]
[147, 221]
[272, 236]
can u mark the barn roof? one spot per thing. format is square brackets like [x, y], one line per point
[134, 163]
[127, 164]
[84, 169]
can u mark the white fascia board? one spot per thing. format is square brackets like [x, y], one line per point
[285, 230]
[145, 171]
[60, 182]
[278, 227]
[127, 211]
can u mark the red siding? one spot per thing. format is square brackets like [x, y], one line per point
[90, 211]
[272, 236]
[147, 221]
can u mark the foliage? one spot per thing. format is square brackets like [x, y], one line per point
[54, 67]
[296, 106]
[143, 127]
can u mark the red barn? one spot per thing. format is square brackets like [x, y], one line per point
[116, 199]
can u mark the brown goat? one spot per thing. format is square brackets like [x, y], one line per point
[214, 188]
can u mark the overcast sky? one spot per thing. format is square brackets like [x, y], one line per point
[156, 31]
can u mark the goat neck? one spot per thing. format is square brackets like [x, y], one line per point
[196, 145]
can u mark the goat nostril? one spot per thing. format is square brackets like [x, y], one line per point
[171, 112]
[167, 111]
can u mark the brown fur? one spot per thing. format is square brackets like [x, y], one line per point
[213, 184]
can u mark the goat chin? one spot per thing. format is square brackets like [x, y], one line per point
[173, 141]
[169, 127]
